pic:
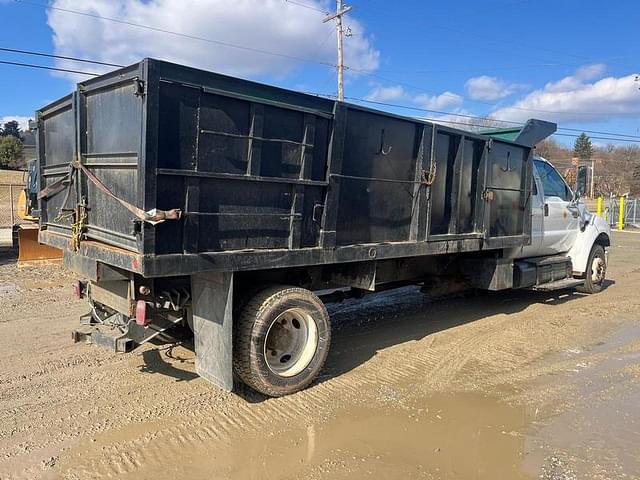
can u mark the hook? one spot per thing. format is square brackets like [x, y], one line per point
[508, 169]
[382, 150]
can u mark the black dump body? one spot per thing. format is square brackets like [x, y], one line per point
[266, 177]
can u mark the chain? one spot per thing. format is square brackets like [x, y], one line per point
[428, 176]
[77, 227]
[78, 222]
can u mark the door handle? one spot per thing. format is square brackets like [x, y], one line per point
[546, 209]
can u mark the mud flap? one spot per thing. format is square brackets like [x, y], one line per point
[212, 300]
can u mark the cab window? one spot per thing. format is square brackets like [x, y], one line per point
[552, 182]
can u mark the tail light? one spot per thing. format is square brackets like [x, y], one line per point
[141, 313]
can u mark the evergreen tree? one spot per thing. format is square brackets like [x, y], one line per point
[583, 148]
[11, 128]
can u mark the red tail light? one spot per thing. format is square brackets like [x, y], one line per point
[141, 313]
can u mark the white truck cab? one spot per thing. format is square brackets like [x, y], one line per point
[562, 226]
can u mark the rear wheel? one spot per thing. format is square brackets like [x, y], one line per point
[596, 270]
[281, 340]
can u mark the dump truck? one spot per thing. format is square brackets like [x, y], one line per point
[183, 197]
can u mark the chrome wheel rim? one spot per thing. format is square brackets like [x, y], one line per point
[291, 342]
[598, 270]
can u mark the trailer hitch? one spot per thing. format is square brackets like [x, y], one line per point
[120, 333]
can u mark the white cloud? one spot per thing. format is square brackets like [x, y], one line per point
[578, 97]
[572, 82]
[22, 121]
[491, 88]
[269, 25]
[439, 102]
[381, 94]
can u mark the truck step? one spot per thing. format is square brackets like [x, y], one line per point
[550, 260]
[558, 285]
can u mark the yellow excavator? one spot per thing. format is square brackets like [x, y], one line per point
[25, 234]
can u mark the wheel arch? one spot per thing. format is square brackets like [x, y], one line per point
[581, 249]
[603, 239]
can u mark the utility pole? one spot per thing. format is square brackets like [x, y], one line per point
[340, 11]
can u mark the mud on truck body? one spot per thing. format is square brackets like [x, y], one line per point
[184, 197]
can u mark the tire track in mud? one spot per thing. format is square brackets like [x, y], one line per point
[141, 420]
[430, 362]
[210, 426]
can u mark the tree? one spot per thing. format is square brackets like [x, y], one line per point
[635, 180]
[11, 152]
[583, 148]
[11, 128]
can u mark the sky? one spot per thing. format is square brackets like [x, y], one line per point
[573, 62]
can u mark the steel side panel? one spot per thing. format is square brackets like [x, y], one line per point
[249, 195]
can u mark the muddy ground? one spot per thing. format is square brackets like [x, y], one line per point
[481, 386]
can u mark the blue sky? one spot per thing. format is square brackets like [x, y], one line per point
[565, 60]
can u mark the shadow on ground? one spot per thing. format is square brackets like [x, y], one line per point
[363, 327]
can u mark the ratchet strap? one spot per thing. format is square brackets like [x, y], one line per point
[153, 216]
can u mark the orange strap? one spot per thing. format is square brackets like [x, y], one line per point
[153, 216]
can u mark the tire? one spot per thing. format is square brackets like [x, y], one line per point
[596, 270]
[281, 340]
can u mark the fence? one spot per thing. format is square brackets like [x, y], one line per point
[9, 193]
[630, 215]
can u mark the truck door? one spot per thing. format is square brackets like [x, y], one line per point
[560, 224]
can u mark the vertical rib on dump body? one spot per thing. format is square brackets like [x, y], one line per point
[266, 177]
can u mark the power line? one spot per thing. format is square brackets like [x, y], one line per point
[44, 67]
[179, 34]
[628, 137]
[510, 41]
[420, 109]
[600, 138]
[453, 95]
[307, 6]
[632, 138]
[600, 133]
[50, 55]
[306, 60]
[485, 69]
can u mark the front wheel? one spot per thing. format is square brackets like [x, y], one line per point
[281, 340]
[596, 270]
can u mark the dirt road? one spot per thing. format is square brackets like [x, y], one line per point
[503, 385]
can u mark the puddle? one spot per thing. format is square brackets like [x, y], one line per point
[599, 435]
[461, 436]
[465, 436]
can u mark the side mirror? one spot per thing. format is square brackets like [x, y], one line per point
[581, 181]
[577, 196]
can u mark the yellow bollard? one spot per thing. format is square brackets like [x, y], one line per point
[599, 207]
[621, 214]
